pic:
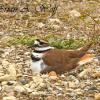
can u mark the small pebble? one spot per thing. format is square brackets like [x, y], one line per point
[23, 81]
[19, 89]
[0, 88]
[10, 82]
[10, 98]
[71, 84]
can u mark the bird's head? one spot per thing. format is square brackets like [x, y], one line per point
[40, 45]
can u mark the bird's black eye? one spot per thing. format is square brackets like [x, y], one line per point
[34, 58]
[38, 40]
[41, 43]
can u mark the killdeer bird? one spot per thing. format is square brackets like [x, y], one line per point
[46, 58]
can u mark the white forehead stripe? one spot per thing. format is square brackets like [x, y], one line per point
[36, 42]
[43, 48]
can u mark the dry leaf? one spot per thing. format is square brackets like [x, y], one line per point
[53, 75]
[97, 74]
[97, 96]
[7, 78]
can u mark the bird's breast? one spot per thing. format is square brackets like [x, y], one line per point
[38, 66]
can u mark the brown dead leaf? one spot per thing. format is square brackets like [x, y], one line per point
[97, 96]
[53, 75]
[97, 74]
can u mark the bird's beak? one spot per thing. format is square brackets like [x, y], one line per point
[31, 46]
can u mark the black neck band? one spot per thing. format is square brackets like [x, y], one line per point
[40, 51]
[35, 58]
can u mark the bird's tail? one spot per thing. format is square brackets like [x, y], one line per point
[82, 51]
[87, 58]
[86, 48]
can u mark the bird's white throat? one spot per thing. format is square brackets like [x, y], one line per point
[38, 66]
[43, 48]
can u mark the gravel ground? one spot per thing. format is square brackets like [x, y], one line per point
[82, 83]
[72, 19]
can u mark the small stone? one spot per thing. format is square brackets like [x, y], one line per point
[38, 1]
[54, 20]
[9, 98]
[19, 89]
[1, 51]
[7, 78]
[5, 39]
[75, 13]
[26, 85]
[37, 83]
[79, 92]
[82, 85]
[4, 83]
[12, 70]
[71, 84]
[37, 79]
[42, 85]
[8, 89]
[65, 83]
[45, 76]
[56, 27]
[0, 88]
[34, 96]
[34, 93]
[5, 63]
[11, 82]
[84, 73]
[29, 90]
[23, 81]
[40, 25]
[1, 73]
[50, 98]
[62, 76]
[59, 88]
[40, 8]
[27, 53]
[11, 93]
[10, 1]
[97, 96]
[93, 88]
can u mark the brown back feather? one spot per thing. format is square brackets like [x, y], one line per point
[61, 60]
